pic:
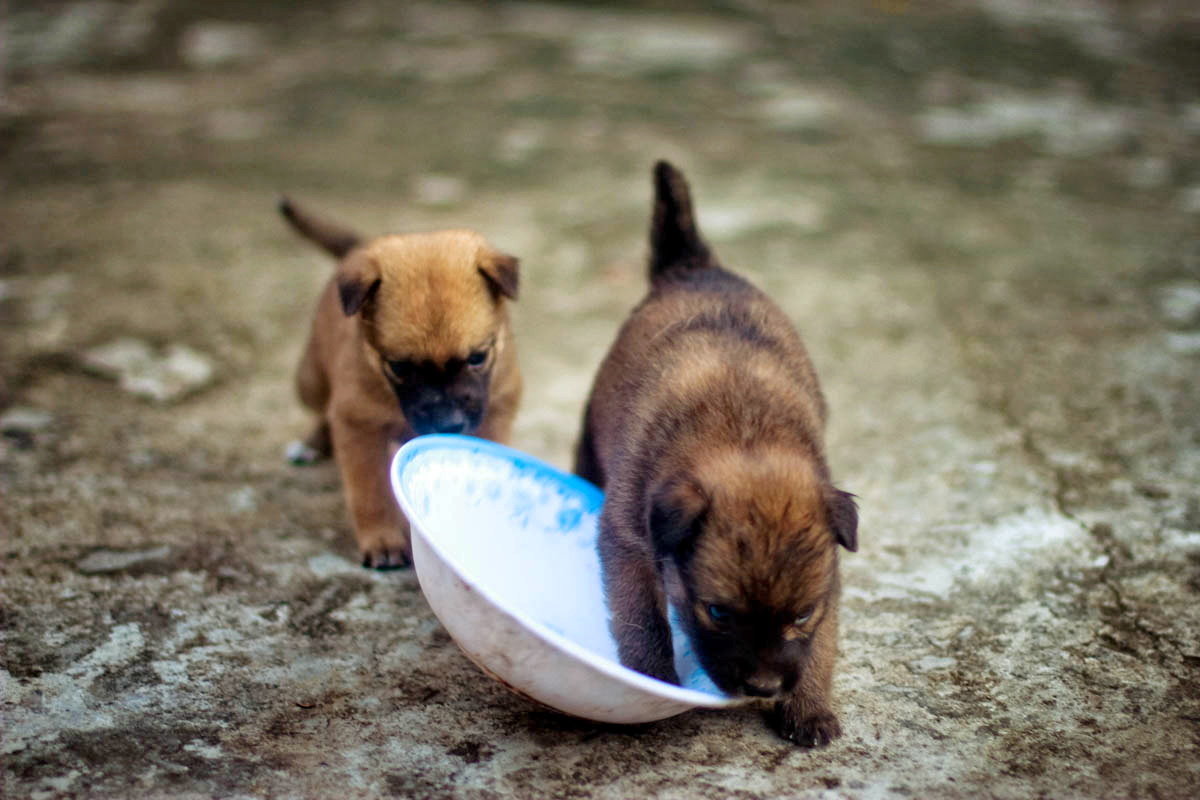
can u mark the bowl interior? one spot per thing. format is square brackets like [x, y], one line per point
[524, 534]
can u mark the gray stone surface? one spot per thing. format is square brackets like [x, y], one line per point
[140, 369]
[1009, 356]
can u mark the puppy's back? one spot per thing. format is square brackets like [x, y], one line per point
[706, 356]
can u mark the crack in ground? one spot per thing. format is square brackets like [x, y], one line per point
[1115, 552]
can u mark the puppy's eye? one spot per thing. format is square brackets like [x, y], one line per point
[719, 614]
[803, 617]
[477, 359]
[398, 368]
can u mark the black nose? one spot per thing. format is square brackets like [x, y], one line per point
[441, 420]
[762, 686]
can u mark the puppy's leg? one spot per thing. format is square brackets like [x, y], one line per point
[804, 716]
[381, 530]
[315, 447]
[312, 385]
[638, 607]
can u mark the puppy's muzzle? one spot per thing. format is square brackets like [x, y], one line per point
[439, 409]
[762, 686]
[441, 419]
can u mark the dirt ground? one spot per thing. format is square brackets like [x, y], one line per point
[984, 215]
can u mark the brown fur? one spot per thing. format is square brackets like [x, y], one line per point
[705, 426]
[421, 304]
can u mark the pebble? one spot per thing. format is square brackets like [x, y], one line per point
[1184, 344]
[729, 221]
[1093, 27]
[639, 44]
[101, 561]
[1179, 304]
[243, 500]
[213, 44]
[237, 124]
[443, 63]
[329, 564]
[439, 190]
[72, 34]
[518, 144]
[1189, 118]
[1189, 200]
[797, 112]
[932, 663]
[20, 419]
[1063, 124]
[142, 371]
[1149, 172]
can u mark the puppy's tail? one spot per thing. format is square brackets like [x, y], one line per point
[675, 242]
[330, 236]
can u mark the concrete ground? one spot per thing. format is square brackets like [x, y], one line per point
[983, 215]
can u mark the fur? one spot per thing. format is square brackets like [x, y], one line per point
[705, 427]
[410, 336]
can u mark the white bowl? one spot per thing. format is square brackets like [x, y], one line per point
[505, 550]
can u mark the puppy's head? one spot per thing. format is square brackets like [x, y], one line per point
[747, 542]
[432, 315]
[432, 311]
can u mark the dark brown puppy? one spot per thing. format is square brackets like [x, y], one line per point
[411, 336]
[705, 428]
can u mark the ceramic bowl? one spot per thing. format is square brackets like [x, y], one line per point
[505, 550]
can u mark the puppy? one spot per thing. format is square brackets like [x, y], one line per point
[411, 336]
[705, 428]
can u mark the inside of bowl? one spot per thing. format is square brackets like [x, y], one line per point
[525, 534]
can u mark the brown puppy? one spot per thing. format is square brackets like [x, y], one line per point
[705, 428]
[411, 336]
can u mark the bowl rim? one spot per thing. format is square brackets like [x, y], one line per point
[452, 441]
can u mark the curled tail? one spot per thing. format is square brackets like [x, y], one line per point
[675, 243]
[329, 236]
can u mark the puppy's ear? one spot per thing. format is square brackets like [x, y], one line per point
[357, 281]
[843, 518]
[501, 271]
[330, 236]
[676, 512]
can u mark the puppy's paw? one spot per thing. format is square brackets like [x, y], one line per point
[385, 551]
[814, 730]
[386, 559]
[301, 454]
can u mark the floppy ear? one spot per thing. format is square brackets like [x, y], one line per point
[357, 281]
[500, 270]
[330, 236]
[676, 510]
[843, 519]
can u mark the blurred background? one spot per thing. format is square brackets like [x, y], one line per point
[144, 144]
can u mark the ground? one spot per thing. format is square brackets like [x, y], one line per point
[983, 216]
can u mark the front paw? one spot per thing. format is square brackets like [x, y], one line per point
[301, 454]
[811, 730]
[384, 550]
